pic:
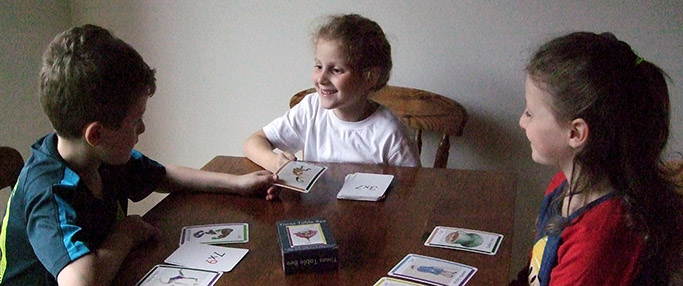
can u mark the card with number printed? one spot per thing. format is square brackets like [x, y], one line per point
[365, 186]
[207, 257]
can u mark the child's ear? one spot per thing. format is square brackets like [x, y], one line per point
[92, 133]
[578, 133]
[371, 76]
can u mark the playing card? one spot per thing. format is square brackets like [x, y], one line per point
[465, 239]
[215, 233]
[207, 257]
[299, 176]
[178, 275]
[433, 271]
[388, 281]
[305, 234]
[365, 186]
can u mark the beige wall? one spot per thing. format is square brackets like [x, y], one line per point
[226, 68]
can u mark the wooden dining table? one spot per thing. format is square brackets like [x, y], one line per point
[372, 237]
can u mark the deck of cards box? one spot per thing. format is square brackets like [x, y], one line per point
[307, 245]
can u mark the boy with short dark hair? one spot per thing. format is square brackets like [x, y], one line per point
[66, 222]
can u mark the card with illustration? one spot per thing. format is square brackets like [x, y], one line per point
[465, 239]
[433, 271]
[388, 281]
[215, 233]
[207, 257]
[299, 176]
[178, 275]
[305, 234]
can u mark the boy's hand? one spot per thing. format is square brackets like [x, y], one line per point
[136, 230]
[254, 183]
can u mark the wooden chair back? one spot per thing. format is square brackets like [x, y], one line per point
[11, 163]
[422, 111]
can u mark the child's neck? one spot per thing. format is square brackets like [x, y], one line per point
[78, 155]
[357, 112]
[584, 198]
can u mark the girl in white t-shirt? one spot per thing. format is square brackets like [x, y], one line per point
[339, 123]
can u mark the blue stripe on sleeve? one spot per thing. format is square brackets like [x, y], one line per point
[67, 214]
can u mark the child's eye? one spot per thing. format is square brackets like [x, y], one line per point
[318, 67]
[526, 113]
[337, 70]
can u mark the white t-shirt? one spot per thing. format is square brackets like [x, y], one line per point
[381, 138]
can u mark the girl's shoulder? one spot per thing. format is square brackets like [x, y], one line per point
[555, 182]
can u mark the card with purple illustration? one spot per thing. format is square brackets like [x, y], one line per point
[215, 233]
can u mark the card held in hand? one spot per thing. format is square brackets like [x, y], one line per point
[365, 186]
[299, 176]
[307, 245]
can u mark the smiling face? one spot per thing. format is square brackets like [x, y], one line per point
[548, 137]
[118, 143]
[340, 87]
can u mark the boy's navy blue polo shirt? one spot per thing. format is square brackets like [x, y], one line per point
[53, 219]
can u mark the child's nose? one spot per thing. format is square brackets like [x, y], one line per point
[141, 128]
[522, 121]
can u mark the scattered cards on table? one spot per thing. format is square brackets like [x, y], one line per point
[365, 186]
[215, 233]
[299, 176]
[433, 271]
[465, 239]
[388, 281]
[207, 257]
[178, 275]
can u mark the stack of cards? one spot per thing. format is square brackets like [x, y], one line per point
[196, 262]
[207, 257]
[365, 187]
[465, 239]
[299, 176]
[432, 271]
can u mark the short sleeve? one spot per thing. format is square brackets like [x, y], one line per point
[288, 132]
[53, 231]
[137, 178]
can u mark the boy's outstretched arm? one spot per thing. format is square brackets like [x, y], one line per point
[187, 179]
[100, 266]
[258, 149]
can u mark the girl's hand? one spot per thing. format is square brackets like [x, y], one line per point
[284, 158]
